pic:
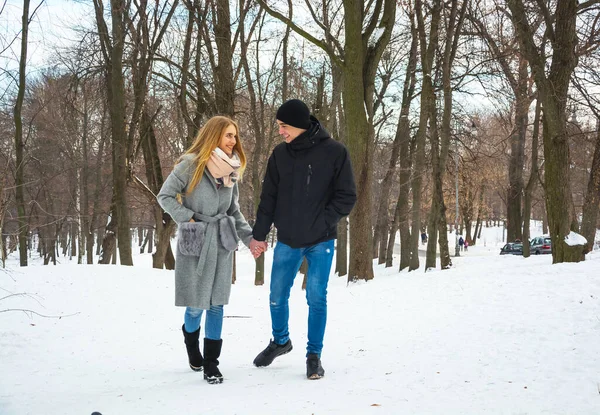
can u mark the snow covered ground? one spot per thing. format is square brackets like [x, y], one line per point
[494, 335]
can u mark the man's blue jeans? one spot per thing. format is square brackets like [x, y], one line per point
[286, 263]
[214, 321]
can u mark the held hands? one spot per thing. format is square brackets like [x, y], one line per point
[257, 247]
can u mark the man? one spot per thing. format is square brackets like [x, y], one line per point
[308, 187]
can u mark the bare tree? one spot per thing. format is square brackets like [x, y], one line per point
[440, 138]
[591, 205]
[533, 179]
[19, 142]
[505, 50]
[358, 59]
[112, 51]
[553, 86]
[427, 51]
[399, 150]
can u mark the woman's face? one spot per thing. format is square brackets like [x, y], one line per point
[228, 140]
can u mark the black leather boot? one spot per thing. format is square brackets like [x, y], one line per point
[212, 351]
[314, 370]
[192, 346]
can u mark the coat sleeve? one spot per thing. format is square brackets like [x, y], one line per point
[243, 229]
[268, 201]
[344, 191]
[175, 184]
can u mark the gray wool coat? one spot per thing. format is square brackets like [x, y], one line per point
[204, 280]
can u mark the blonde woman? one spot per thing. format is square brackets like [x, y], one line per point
[210, 226]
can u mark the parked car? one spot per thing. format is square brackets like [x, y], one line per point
[512, 248]
[540, 245]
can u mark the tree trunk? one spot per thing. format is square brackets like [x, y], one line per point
[93, 224]
[73, 238]
[341, 261]
[427, 95]
[140, 238]
[150, 236]
[361, 266]
[453, 23]
[143, 241]
[3, 208]
[479, 223]
[401, 141]
[224, 86]
[359, 136]
[402, 214]
[391, 238]
[165, 226]
[85, 217]
[19, 143]
[517, 155]
[113, 49]
[257, 154]
[110, 238]
[553, 92]
[591, 205]
[436, 201]
[532, 182]
[437, 227]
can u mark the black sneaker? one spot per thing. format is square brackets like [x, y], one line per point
[266, 357]
[314, 370]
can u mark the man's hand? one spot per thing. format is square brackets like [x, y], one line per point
[257, 247]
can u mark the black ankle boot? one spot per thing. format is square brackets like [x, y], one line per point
[212, 351]
[192, 346]
[314, 370]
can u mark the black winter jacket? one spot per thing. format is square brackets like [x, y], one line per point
[308, 187]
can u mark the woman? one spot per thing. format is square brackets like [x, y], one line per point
[201, 195]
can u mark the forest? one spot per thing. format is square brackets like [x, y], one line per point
[458, 114]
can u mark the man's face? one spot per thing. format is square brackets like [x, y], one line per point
[288, 132]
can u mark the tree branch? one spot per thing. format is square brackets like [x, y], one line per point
[519, 19]
[547, 18]
[587, 4]
[325, 28]
[303, 33]
[39, 314]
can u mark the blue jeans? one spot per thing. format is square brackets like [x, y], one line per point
[286, 263]
[214, 321]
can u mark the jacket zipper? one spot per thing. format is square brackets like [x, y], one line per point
[308, 178]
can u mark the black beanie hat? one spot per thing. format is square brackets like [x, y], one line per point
[295, 113]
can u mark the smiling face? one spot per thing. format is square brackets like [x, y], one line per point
[228, 140]
[288, 132]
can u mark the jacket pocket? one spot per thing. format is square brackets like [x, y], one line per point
[228, 234]
[191, 238]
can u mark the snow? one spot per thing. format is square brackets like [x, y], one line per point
[494, 335]
[573, 239]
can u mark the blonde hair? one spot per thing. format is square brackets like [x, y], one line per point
[209, 138]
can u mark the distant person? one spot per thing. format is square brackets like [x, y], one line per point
[461, 243]
[201, 195]
[308, 187]
[466, 245]
[423, 238]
